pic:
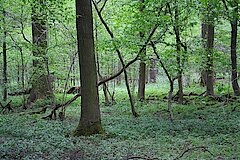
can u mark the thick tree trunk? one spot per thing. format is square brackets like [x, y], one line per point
[234, 51]
[209, 48]
[41, 86]
[4, 59]
[90, 121]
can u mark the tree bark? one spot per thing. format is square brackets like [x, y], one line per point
[142, 67]
[234, 50]
[142, 81]
[209, 49]
[90, 121]
[41, 86]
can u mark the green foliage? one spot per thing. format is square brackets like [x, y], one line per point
[203, 122]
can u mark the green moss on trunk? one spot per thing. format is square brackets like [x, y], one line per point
[84, 130]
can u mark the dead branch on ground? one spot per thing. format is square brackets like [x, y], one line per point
[202, 148]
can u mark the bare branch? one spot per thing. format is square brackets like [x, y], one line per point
[104, 4]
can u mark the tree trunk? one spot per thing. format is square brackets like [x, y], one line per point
[90, 121]
[153, 71]
[41, 86]
[142, 67]
[4, 58]
[142, 80]
[234, 50]
[170, 99]
[203, 75]
[178, 41]
[209, 48]
[147, 74]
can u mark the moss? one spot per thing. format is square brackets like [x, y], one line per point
[95, 128]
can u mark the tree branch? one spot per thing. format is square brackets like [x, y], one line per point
[104, 4]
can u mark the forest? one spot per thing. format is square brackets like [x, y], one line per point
[119, 79]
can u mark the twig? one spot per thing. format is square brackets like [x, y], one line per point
[203, 148]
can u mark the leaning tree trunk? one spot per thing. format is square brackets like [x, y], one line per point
[209, 48]
[41, 87]
[234, 50]
[4, 58]
[90, 121]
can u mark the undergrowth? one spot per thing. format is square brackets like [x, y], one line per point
[202, 122]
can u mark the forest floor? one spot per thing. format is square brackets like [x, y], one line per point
[202, 129]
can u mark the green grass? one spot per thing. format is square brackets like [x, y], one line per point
[202, 122]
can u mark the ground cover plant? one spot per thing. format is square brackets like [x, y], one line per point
[202, 129]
